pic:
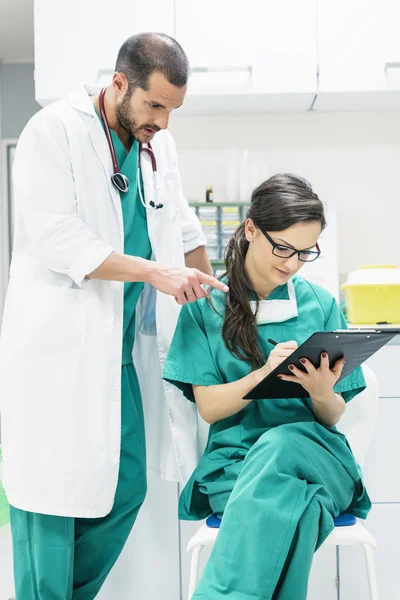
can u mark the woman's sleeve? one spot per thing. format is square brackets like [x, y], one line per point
[190, 360]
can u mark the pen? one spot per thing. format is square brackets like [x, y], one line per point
[272, 342]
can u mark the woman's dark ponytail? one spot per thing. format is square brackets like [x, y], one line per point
[277, 204]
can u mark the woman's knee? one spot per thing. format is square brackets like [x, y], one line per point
[278, 445]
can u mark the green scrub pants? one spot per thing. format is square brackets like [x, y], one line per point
[63, 558]
[280, 511]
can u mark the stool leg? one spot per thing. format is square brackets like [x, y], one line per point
[194, 570]
[371, 571]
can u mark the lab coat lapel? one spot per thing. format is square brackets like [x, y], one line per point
[80, 100]
[102, 150]
[153, 219]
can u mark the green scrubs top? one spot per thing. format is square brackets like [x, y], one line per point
[136, 238]
[198, 356]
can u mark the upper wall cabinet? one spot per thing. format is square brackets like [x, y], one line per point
[247, 57]
[256, 56]
[253, 56]
[77, 41]
[358, 54]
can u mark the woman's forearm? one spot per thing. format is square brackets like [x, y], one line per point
[216, 402]
[329, 410]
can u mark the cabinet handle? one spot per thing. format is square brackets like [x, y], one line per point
[391, 65]
[230, 69]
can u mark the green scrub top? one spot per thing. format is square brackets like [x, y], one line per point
[198, 356]
[136, 238]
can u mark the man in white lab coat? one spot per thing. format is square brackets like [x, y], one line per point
[92, 229]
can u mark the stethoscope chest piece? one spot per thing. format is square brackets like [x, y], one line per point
[121, 182]
[118, 179]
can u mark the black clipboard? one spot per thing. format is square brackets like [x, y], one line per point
[355, 345]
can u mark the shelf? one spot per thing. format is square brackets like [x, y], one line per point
[219, 220]
[216, 263]
[196, 204]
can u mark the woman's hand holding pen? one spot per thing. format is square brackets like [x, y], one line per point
[278, 355]
[319, 382]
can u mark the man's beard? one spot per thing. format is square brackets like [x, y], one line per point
[125, 119]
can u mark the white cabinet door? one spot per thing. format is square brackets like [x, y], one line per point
[322, 583]
[215, 34]
[276, 39]
[358, 54]
[384, 364]
[381, 466]
[245, 58]
[149, 564]
[323, 577]
[75, 41]
[384, 524]
[283, 38]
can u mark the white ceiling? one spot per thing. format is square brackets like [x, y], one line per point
[16, 31]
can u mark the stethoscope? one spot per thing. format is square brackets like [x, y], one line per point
[119, 180]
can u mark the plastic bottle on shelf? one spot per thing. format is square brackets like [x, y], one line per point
[209, 194]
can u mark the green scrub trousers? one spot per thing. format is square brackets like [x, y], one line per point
[272, 472]
[66, 558]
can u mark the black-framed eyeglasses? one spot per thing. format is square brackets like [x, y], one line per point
[286, 252]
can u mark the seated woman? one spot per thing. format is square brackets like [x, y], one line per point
[276, 471]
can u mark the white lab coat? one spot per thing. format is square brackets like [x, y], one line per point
[61, 339]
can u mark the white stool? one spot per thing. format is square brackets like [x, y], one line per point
[342, 535]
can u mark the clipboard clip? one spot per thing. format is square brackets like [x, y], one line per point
[357, 330]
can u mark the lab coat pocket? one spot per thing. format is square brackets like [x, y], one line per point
[53, 320]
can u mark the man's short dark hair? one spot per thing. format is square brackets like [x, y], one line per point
[147, 53]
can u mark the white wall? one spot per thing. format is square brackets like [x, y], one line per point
[17, 106]
[352, 159]
[18, 103]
